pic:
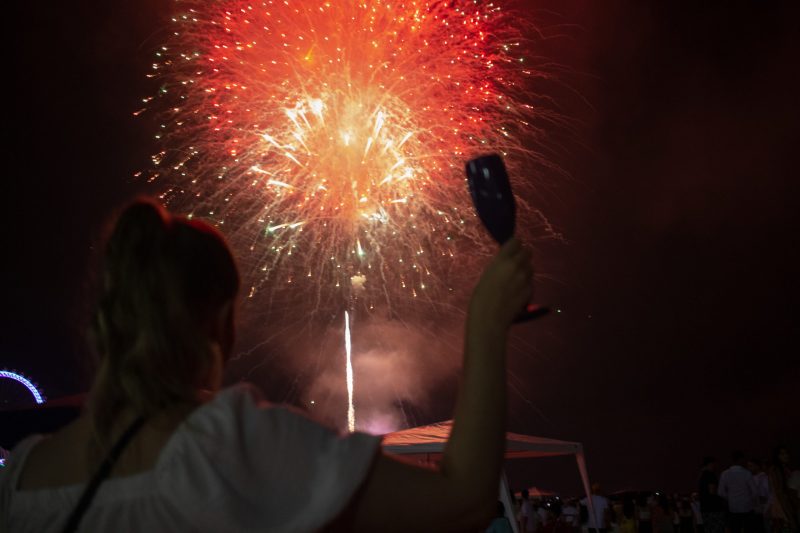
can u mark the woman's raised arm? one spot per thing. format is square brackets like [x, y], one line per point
[462, 493]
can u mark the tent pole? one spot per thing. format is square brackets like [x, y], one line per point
[505, 497]
[587, 487]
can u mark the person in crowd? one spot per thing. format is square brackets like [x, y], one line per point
[698, 516]
[627, 518]
[712, 506]
[644, 514]
[543, 510]
[794, 484]
[169, 451]
[685, 516]
[737, 488]
[555, 522]
[598, 518]
[529, 516]
[782, 504]
[674, 504]
[614, 515]
[662, 518]
[516, 507]
[500, 522]
[761, 483]
[571, 514]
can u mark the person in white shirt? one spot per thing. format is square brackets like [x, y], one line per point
[736, 486]
[571, 514]
[170, 451]
[761, 482]
[529, 515]
[698, 516]
[597, 521]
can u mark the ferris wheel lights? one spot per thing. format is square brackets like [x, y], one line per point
[19, 378]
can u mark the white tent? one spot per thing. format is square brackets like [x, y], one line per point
[427, 443]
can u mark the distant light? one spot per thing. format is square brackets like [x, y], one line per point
[26, 382]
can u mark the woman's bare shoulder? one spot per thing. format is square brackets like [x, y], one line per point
[53, 460]
[64, 458]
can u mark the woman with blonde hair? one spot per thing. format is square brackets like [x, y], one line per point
[161, 448]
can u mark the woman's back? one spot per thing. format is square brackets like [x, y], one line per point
[45, 466]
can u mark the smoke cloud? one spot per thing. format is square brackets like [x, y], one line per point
[398, 368]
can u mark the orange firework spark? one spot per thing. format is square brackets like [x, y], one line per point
[329, 137]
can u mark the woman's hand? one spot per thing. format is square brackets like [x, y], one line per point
[504, 289]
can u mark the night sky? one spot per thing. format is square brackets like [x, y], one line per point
[677, 281]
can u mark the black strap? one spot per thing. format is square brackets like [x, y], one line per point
[101, 475]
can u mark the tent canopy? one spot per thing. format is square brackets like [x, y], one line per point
[430, 440]
[536, 492]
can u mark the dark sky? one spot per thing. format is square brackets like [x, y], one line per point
[677, 284]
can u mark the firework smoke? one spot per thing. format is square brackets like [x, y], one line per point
[398, 369]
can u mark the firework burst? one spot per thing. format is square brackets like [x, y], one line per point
[328, 138]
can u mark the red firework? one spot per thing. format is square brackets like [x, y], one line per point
[328, 137]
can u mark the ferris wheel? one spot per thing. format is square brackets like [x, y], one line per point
[17, 391]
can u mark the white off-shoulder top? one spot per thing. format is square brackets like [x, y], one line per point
[235, 464]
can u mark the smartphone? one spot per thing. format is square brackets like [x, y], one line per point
[491, 194]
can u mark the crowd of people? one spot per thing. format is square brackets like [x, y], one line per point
[747, 497]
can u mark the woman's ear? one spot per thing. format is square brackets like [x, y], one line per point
[212, 380]
[224, 329]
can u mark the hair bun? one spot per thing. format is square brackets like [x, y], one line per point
[144, 213]
[139, 231]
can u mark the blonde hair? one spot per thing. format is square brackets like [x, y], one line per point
[166, 280]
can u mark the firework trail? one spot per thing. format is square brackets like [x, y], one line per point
[327, 138]
[351, 411]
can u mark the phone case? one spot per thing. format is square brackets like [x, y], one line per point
[492, 196]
